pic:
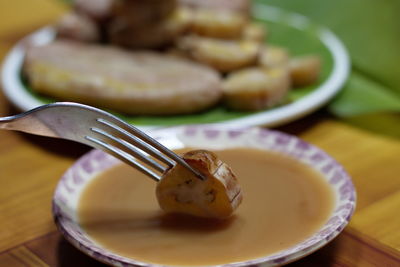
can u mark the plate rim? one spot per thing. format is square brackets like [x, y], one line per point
[296, 252]
[16, 92]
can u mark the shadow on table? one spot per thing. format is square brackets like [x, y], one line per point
[324, 257]
[58, 146]
[53, 145]
[69, 256]
[301, 125]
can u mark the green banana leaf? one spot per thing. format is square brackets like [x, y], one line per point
[370, 29]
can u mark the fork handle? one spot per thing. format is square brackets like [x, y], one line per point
[26, 123]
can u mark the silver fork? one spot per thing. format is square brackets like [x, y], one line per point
[99, 129]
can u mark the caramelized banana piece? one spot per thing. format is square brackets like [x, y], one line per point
[217, 196]
[98, 10]
[239, 6]
[255, 32]
[304, 70]
[255, 89]
[222, 55]
[218, 23]
[77, 27]
[121, 32]
[178, 53]
[273, 56]
[141, 13]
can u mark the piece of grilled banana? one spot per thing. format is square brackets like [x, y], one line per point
[217, 196]
[273, 56]
[304, 70]
[124, 33]
[253, 89]
[255, 32]
[77, 27]
[141, 13]
[222, 55]
[218, 23]
[98, 10]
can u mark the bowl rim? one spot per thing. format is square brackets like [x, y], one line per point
[340, 182]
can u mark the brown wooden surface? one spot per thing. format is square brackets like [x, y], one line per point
[30, 166]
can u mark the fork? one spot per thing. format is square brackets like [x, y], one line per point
[101, 130]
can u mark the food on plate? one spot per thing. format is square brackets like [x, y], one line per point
[239, 6]
[217, 196]
[77, 27]
[255, 32]
[121, 32]
[304, 70]
[222, 55]
[141, 13]
[284, 203]
[218, 23]
[98, 10]
[123, 20]
[255, 88]
[177, 52]
[216, 36]
[130, 82]
[273, 56]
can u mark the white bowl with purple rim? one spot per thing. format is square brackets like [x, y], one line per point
[73, 182]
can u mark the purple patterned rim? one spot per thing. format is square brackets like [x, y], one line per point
[71, 184]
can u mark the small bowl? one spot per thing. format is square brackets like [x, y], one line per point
[73, 182]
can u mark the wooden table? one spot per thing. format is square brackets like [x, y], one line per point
[30, 167]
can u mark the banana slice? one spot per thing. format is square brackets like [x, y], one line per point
[255, 32]
[255, 89]
[124, 33]
[273, 56]
[304, 70]
[217, 196]
[141, 13]
[218, 23]
[97, 10]
[222, 55]
[77, 27]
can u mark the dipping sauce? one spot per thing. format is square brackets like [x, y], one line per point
[284, 202]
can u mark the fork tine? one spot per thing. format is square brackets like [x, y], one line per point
[130, 149]
[138, 142]
[147, 139]
[125, 157]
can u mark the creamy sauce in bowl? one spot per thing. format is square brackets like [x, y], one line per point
[285, 202]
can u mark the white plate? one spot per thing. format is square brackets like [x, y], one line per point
[16, 92]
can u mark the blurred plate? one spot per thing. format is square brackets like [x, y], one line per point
[294, 31]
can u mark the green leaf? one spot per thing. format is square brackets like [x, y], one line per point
[370, 31]
[362, 96]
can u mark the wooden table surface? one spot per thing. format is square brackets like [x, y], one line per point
[368, 147]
